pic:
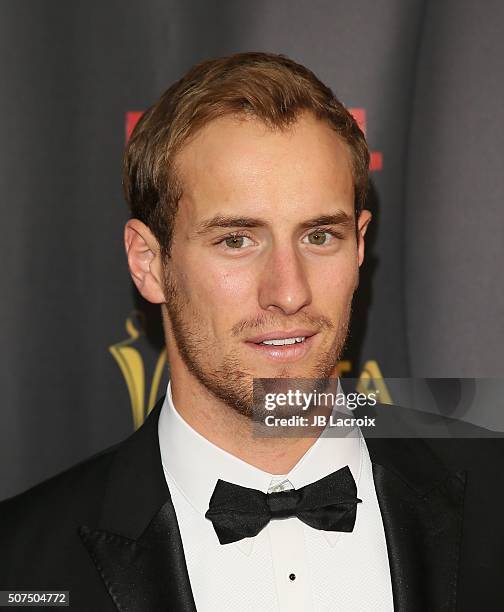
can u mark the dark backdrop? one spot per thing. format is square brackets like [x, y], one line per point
[426, 77]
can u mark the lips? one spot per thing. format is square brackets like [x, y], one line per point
[282, 335]
[287, 353]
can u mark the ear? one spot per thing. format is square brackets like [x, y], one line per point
[144, 260]
[362, 224]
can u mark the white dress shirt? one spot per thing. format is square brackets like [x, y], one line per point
[288, 566]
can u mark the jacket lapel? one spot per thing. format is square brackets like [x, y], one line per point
[421, 505]
[136, 546]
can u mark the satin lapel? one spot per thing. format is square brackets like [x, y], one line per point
[136, 546]
[422, 507]
[147, 574]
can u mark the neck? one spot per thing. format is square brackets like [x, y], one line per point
[233, 432]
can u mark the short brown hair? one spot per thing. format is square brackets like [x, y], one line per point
[269, 87]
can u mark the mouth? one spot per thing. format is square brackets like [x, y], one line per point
[283, 346]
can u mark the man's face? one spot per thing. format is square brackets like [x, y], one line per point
[264, 249]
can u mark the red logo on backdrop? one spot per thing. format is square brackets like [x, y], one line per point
[376, 161]
[132, 118]
[359, 114]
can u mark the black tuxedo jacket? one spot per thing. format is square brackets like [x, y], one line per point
[106, 529]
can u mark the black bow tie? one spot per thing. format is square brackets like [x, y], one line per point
[329, 504]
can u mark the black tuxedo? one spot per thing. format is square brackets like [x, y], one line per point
[106, 529]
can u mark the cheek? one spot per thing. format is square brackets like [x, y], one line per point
[222, 293]
[232, 286]
[334, 281]
[227, 297]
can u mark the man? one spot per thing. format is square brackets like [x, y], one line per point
[246, 183]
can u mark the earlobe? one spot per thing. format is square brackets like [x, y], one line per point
[144, 260]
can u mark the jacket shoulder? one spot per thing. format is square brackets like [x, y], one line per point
[39, 528]
[478, 455]
[76, 492]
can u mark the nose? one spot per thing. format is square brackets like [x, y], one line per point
[284, 283]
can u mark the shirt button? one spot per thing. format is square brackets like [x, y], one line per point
[292, 577]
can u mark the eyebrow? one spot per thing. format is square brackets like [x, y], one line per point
[224, 221]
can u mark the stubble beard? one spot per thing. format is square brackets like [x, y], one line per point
[227, 380]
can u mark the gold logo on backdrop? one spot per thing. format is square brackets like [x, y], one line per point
[131, 363]
[371, 379]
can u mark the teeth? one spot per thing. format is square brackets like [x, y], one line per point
[284, 341]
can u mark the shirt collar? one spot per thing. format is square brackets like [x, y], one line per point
[196, 480]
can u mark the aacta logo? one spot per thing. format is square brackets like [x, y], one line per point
[128, 353]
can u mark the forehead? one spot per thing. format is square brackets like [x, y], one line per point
[241, 163]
